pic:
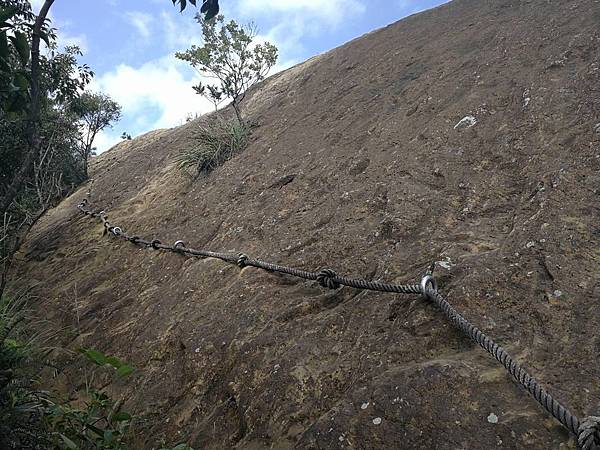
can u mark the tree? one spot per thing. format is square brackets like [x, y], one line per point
[96, 112]
[25, 79]
[232, 58]
[40, 144]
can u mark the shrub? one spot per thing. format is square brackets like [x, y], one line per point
[215, 143]
[19, 401]
[232, 58]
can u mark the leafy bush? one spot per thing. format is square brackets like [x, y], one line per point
[216, 142]
[96, 426]
[99, 424]
[19, 401]
[29, 417]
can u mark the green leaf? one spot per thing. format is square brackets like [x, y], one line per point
[7, 13]
[95, 429]
[109, 436]
[4, 65]
[44, 36]
[68, 442]
[20, 42]
[21, 81]
[95, 356]
[3, 46]
[124, 370]
[114, 361]
[121, 416]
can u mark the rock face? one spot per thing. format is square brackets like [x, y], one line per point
[357, 166]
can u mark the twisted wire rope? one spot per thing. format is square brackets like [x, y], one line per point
[586, 430]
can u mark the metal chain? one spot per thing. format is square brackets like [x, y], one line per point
[586, 430]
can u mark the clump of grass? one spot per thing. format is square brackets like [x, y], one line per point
[215, 143]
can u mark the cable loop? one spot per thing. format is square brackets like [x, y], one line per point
[241, 261]
[425, 282]
[155, 243]
[326, 278]
[588, 434]
[117, 231]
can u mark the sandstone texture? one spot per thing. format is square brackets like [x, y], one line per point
[466, 135]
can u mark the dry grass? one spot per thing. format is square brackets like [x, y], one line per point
[215, 143]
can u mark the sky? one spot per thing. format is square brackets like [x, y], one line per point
[130, 45]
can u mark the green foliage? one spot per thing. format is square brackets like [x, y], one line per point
[63, 78]
[210, 8]
[16, 21]
[69, 120]
[183, 3]
[29, 418]
[231, 57]
[102, 360]
[95, 111]
[11, 353]
[98, 424]
[19, 402]
[215, 143]
[95, 426]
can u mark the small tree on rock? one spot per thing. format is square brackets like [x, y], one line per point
[96, 112]
[230, 57]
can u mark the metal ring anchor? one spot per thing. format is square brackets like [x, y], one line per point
[425, 282]
[117, 231]
[178, 245]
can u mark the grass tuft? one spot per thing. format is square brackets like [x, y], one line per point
[215, 143]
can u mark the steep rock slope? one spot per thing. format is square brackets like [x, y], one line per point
[383, 182]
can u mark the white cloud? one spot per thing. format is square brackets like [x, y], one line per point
[157, 94]
[141, 21]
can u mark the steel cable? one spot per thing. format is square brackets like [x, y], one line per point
[586, 430]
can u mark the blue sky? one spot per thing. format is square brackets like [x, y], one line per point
[130, 45]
